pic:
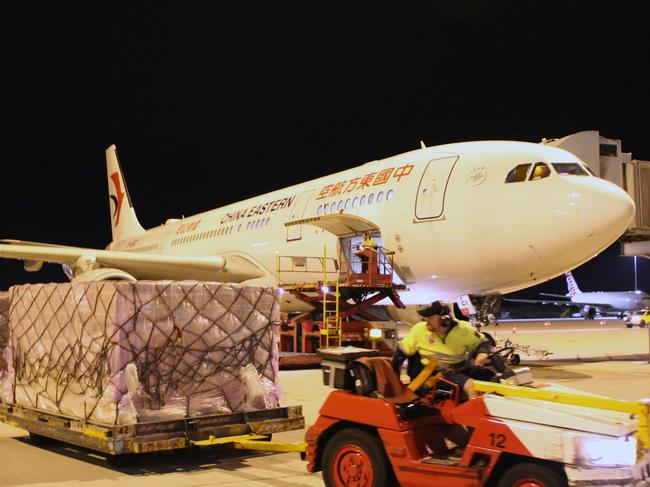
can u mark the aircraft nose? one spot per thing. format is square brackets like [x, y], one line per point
[605, 210]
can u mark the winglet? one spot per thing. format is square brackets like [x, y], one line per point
[124, 222]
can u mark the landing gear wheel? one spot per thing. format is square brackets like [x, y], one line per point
[515, 359]
[356, 458]
[531, 475]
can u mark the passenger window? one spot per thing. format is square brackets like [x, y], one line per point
[569, 168]
[320, 210]
[518, 174]
[540, 171]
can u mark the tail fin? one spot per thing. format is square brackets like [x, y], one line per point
[572, 285]
[124, 223]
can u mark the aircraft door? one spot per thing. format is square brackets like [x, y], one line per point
[294, 232]
[430, 199]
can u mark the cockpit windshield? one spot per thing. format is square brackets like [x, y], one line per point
[570, 169]
[529, 172]
[518, 174]
[540, 171]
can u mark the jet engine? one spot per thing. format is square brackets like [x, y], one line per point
[103, 274]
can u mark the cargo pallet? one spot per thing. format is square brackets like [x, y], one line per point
[245, 430]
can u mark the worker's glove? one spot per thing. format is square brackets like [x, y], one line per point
[641, 472]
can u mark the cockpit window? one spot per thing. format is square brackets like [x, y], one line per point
[518, 174]
[540, 171]
[570, 168]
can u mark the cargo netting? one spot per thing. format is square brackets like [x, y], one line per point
[6, 370]
[120, 352]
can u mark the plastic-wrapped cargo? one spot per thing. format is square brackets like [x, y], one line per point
[120, 352]
[6, 365]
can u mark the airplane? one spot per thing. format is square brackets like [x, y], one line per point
[596, 301]
[478, 218]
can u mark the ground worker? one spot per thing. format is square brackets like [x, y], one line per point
[451, 342]
[366, 246]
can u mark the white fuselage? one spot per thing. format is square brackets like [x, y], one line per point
[617, 300]
[454, 223]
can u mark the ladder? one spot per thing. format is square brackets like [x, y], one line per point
[331, 328]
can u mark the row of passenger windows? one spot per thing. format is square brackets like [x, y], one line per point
[353, 202]
[221, 231]
[257, 224]
[541, 170]
[146, 248]
[217, 232]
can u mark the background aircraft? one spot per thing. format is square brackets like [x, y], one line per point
[476, 218]
[595, 301]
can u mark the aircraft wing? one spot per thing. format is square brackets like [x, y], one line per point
[140, 265]
[564, 296]
[557, 302]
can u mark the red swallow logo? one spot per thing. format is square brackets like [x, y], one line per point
[118, 197]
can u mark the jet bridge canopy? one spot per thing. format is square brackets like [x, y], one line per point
[340, 224]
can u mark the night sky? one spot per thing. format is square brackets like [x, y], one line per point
[212, 102]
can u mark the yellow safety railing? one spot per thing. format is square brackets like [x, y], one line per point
[639, 408]
[298, 269]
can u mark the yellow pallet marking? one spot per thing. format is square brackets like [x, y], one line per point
[95, 433]
[160, 445]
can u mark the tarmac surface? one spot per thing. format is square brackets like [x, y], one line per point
[606, 358]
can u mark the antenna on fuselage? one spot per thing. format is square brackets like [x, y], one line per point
[422, 144]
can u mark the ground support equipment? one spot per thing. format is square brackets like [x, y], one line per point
[519, 436]
[242, 430]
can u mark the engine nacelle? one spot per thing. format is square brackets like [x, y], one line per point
[104, 274]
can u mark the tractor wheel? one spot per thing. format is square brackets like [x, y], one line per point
[629, 325]
[356, 458]
[642, 324]
[531, 475]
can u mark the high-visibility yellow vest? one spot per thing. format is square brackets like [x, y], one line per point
[450, 349]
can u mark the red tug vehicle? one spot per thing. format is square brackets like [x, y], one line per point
[369, 434]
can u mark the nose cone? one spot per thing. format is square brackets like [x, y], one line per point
[605, 211]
